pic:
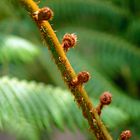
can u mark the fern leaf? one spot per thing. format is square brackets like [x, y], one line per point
[94, 10]
[39, 107]
[16, 49]
[108, 53]
[133, 32]
[98, 84]
[20, 27]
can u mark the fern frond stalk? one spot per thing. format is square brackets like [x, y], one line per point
[69, 74]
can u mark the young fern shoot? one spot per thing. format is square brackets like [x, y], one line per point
[74, 82]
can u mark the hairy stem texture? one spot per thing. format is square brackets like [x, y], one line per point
[68, 74]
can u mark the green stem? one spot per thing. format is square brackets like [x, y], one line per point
[68, 74]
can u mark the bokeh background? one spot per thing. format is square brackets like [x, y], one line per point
[35, 104]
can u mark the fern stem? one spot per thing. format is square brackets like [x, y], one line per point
[69, 74]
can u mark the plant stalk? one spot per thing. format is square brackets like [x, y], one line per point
[68, 73]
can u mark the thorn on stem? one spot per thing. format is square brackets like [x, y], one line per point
[37, 2]
[69, 41]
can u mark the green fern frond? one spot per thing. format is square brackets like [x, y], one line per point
[5, 10]
[20, 27]
[133, 32]
[98, 83]
[16, 49]
[131, 5]
[38, 107]
[91, 10]
[29, 108]
[108, 53]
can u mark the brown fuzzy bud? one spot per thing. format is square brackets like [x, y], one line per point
[69, 41]
[83, 77]
[44, 14]
[106, 98]
[125, 135]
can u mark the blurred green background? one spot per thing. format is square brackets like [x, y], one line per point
[34, 102]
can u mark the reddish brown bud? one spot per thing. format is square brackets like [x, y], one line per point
[83, 77]
[125, 135]
[44, 14]
[106, 98]
[69, 41]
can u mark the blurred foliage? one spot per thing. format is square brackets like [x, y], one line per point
[33, 98]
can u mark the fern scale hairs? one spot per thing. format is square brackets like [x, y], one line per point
[41, 17]
[125, 135]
